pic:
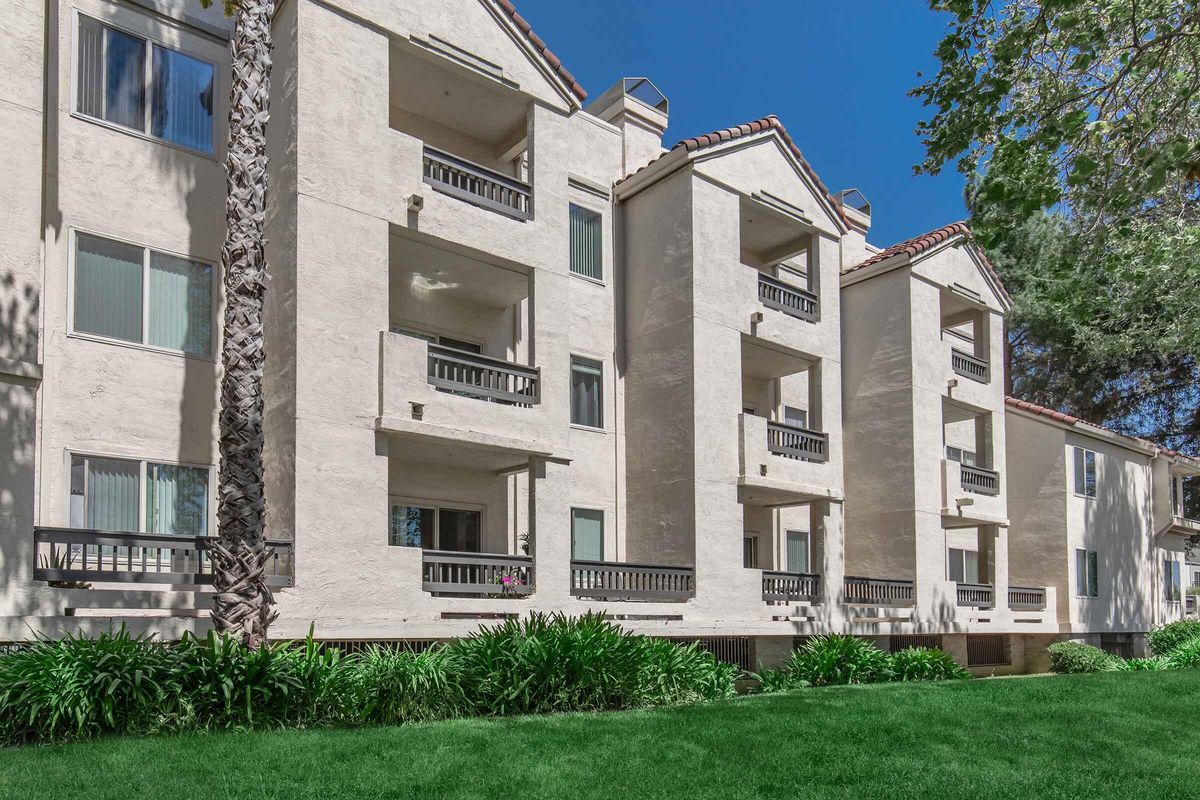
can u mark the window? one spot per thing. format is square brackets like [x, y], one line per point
[1172, 581]
[750, 551]
[961, 456]
[432, 527]
[112, 494]
[963, 565]
[796, 551]
[586, 232]
[796, 417]
[1087, 573]
[140, 295]
[587, 392]
[141, 85]
[1085, 472]
[587, 534]
[1189, 504]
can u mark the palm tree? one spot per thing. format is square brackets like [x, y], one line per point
[242, 604]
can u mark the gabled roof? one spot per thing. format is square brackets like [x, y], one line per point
[1068, 419]
[770, 122]
[911, 248]
[554, 61]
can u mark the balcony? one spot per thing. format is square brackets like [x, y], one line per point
[448, 572]
[1026, 598]
[790, 587]
[879, 591]
[789, 299]
[979, 480]
[969, 366]
[476, 184]
[482, 377]
[78, 556]
[795, 442]
[976, 595]
[608, 580]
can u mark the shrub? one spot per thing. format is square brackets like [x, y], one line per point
[1165, 639]
[778, 680]
[925, 664]
[1072, 657]
[77, 687]
[399, 686]
[837, 659]
[1143, 664]
[1186, 655]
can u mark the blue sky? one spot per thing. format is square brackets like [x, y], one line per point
[836, 73]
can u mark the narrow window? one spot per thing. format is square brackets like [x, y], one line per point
[587, 392]
[1085, 472]
[1172, 583]
[797, 553]
[796, 417]
[750, 551]
[586, 251]
[1087, 573]
[587, 534]
[174, 313]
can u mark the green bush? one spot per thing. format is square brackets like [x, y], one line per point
[1143, 664]
[837, 659]
[778, 680]
[1186, 655]
[399, 686]
[1072, 657]
[1165, 639]
[925, 664]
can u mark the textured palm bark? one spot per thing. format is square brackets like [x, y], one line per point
[243, 605]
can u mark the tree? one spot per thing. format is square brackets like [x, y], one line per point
[243, 604]
[1076, 123]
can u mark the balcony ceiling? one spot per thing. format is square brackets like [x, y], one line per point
[772, 235]
[766, 362]
[422, 271]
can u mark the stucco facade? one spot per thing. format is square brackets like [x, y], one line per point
[520, 355]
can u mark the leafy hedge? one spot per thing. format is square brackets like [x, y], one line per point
[1068, 658]
[77, 688]
[839, 659]
[1162, 641]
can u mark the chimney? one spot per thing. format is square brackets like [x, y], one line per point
[857, 210]
[639, 109]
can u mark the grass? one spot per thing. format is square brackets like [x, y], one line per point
[1114, 735]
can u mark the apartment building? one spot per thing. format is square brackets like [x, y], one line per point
[522, 355]
[1105, 519]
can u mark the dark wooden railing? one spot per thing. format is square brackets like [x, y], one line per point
[77, 555]
[795, 442]
[980, 480]
[976, 595]
[477, 184]
[790, 586]
[608, 580]
[969, 366]
[1026, 598]
[500, 574]
[791, 300]
[483, 377]
[879, 591]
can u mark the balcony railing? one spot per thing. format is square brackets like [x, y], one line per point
[980, 480]
[790, 586]
[499, 574]
[969, 366]
[476, 184]
[795, 442]
[483, 377]
[976, 595]
[607, 580]
[878, 591]
[80, 556]
[791, 300]
[1026, 598]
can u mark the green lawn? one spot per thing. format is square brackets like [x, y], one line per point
[1118, 735]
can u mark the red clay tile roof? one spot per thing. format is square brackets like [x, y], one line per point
[1067, 419]
[554, 61]
[748, 129]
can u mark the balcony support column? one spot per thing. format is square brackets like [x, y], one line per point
[828, 558]
[999, 567]
[550, 531]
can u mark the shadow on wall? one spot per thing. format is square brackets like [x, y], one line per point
[1117, 527]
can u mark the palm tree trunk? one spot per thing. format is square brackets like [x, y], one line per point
[243, 605]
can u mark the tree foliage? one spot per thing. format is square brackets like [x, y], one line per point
[1077, 126]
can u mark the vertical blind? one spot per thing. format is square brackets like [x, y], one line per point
[585, 243]
[180, 304]
[797, 551]
[112, 494]
[587, 393]
[108, 288]
[587, 534]
[176, 500]
[112, 85]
